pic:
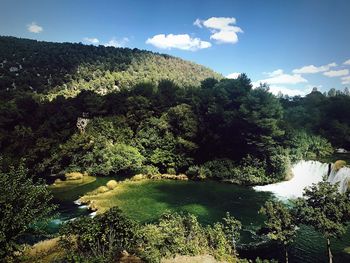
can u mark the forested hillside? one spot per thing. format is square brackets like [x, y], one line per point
[70, 110]
[66, 68]
[163, 115]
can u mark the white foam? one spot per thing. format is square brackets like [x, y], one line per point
[305, 173]
[342, 177]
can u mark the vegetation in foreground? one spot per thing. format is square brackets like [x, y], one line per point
[23, 205]
[104, 237]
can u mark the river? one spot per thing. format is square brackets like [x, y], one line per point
[210, 200]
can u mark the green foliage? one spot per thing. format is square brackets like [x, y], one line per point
[280, 223]
[172, 234]
[67, 69]
[179, 234]
[23, 203]
[262, 113]
[306, 146]
[321, 115]
[278, 163]
[250, 171]
[106, 158]
[153, 113]
[100, 238]
[325, 209]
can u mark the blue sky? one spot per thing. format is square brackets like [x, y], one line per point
[292, 45]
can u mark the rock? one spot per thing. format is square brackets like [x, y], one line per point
[339, 164]
[341, 150]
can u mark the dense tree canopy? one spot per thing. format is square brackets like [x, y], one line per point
[154, 122]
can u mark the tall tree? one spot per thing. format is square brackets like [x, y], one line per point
[280, 223]
[262, 113]
[326, 210]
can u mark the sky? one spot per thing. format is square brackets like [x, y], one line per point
[292, 45]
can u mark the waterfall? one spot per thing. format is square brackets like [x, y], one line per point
[342, 176]
[306, 173]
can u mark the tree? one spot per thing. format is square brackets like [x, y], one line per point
[23, 203]
[326, 210]
[100, 238]
[332, 92]
[231, 227]
[280, 223]
[262, 113]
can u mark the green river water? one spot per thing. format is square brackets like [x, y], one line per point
[208, 200]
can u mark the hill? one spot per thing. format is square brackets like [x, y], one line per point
[68, 68]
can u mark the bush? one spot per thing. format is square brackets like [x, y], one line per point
[138, 177]
[149, 170]
[308, 146]
[182, 234]
[278, 164]
[23, 204]
[250, 171]
[111, 184]
[74, 176]
[219, 168]
[171, 171]
[102, 189]
[107, 158]
[101, 237]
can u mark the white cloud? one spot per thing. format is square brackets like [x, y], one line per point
[336, 73]
[116, 43]
[92, 40]
[198, 23]
[223, 29]
[311, 69]
[181, 41]
[345, 80]
[274, 73]
[347, 62]
[34, 28]
[233, 75]
[274, 89]
[279, 77]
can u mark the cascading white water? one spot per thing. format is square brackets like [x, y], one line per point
[306, 173]
[342, 177]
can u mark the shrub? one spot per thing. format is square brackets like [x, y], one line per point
[102, 189]
[219, 168]
[171, 171]
[74, 176]
[101, 237]
[193, 171]
[107, 158]
[150, 170]
[112, 184]
[278, 164]
[138, 177]
[308, 146]
[23, 204]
